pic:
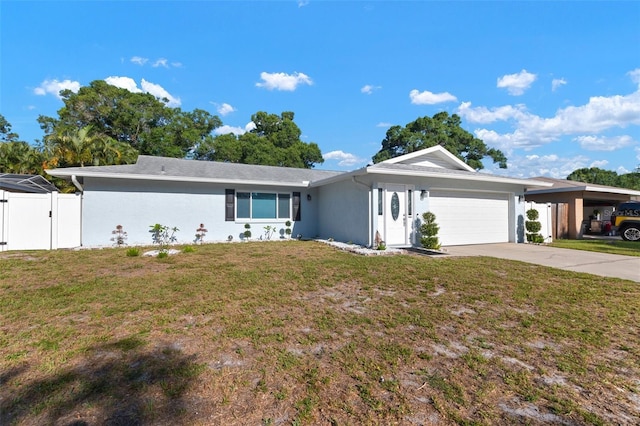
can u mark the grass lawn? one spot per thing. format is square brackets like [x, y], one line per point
[626, 248]
[300, 333]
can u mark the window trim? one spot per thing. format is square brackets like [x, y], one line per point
[278, 200]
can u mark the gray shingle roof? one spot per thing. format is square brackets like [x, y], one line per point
[166, 168]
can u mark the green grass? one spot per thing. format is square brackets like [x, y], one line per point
[299, 333]
[626, 248]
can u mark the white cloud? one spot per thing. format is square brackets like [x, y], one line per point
[139, 60]
[53, 87]
[368, 89]
[429, 98]
[223, 130]
[556, 83]
[343, 158]
[282, 81]
[509, 141]
[224, 109]
[160, 93]
[384, 124]
[147, 87]
[516, 84]
[635, 75]
[601, 164]
[303, 3]
[598, 115]
[603, 143]
[161, 62]
[485, 115]
[530, 166]
[124, 83]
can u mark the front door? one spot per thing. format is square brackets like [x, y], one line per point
[395, 215]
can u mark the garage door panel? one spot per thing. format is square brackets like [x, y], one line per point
[470, 218]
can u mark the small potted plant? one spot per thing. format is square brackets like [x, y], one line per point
[247, 232]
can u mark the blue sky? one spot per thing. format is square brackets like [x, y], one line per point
[554, 85]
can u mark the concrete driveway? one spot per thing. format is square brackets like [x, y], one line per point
[606, 265]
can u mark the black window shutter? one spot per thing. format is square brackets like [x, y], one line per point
[296, 206]
[230, 204]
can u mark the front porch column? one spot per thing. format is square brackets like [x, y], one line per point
[575, 217]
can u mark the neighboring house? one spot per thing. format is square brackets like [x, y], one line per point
[586, 202]
[387, 198]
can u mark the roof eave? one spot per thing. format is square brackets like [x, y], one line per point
[586, 188]
[170, 178]
[471, 177]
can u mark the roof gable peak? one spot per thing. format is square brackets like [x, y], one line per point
[435, 156]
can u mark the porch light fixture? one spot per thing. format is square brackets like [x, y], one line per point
[423, 193]
[308, 197]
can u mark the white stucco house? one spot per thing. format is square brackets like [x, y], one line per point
[388, 198]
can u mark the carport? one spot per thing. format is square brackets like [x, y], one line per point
[580, 207]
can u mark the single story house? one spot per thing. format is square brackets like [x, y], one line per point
[589, 205]
[385, 199]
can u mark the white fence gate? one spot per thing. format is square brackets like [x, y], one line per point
[39, 221]
[544, 217]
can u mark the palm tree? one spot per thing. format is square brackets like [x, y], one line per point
[83, 147]
[19, 157]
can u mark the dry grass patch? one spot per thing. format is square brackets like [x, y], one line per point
[300, 333]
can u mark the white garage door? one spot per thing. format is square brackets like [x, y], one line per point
[470, 217]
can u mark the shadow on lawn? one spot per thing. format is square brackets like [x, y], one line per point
[119, 383]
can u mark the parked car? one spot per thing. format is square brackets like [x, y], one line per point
[626, 220]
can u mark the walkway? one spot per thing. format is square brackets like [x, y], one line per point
[603, 264]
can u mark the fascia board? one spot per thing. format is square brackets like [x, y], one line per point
[585, 188]
[425, 152]
[130, 176]
[475, 177]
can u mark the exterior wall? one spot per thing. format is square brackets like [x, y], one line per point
[138, 204]
[349, 211]
[344, 212]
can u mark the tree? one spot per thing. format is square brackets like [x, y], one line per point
[17, 156]
[606, 177]
[444, 130]
[594, 175]
[20, 158]
[275, 141]
[83, 147]
[137, 119]
[6, 135]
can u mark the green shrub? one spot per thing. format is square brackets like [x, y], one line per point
[133, 252]
[429, 232]
[533, 227]
[188, 249]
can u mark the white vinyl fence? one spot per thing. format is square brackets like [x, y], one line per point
[39, 221]
[544, 217]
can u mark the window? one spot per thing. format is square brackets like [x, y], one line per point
[410, 203]
[379, 201]
[263, 205]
